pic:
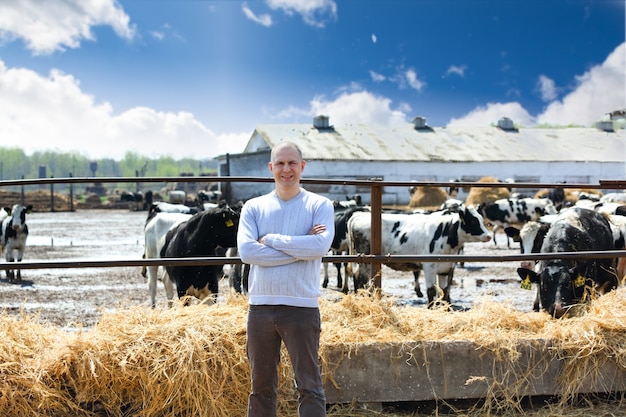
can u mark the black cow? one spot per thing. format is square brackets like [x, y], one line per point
[567, 282]
[208, 233]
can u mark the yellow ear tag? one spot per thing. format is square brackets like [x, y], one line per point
[579, 281]
[229, 223]
[526, 284]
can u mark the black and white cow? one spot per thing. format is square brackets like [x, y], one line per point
[354, 201]
[210, 196]
[340, 241]
[208, 233]
[614, 198]
[238, 273]
[13, 237]
[507, 211]
[530, 238]
[567, 282]
[157, 226]
[438, 233]
[165, 207]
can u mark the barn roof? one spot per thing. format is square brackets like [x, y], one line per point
[406, 142]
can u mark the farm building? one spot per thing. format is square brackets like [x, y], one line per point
[416, 151]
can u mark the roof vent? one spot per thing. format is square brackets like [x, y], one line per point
[321, 122]
[505, 123]
[618, 114]
[606, 125]
[419, 122]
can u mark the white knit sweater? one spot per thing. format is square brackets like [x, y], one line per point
[286, 270]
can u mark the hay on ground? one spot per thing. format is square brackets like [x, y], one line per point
[191, 361]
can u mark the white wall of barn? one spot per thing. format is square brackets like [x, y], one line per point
[441, 171]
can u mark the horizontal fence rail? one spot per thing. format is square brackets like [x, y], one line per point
[375, 258]
[362, 258]
[604, 184]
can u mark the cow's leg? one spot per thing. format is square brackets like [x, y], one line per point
[244, 278]
[152, 272]
[351, 269]
[338, 265]
[494, 230]
[444, 284]
[537, 302]
[169, 289]
[416, 276]
[435, 288]
[325, 282]
[360, 278]
[18, 272]
[9, 258]
[234, 277]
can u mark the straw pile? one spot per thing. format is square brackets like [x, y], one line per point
[428, 198]
[488, 195]
[191, 361]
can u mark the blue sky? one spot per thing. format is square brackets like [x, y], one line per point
[194, 77]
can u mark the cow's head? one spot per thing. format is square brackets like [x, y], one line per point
[222, 223]
[560, 287]
[473, 225]
[18, 216]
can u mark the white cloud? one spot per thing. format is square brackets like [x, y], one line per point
[263, 20]
[374, 38]
[457, 69]
[414, 82]
[314, 12]
[39, 113]
[376, 77]
[491, 113]
[547, 88]
[358, 107]
[50, 26]
[404, 78]
[600, 90]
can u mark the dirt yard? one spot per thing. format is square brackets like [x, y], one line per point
[74, 298]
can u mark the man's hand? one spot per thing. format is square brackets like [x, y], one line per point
[317, 229]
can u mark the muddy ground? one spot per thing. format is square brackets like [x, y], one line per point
[72, 298]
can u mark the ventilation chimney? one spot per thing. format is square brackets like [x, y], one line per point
[321, 122]
[505, 123]
[419, 122]
[606, 125]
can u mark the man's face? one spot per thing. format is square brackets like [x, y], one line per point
[287, 166]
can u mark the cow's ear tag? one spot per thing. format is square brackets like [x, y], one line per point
[526, 284]
[579, 281]
[229, 223]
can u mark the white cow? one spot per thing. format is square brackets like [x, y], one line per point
[155, 230]
[438, 233]
[13, 237]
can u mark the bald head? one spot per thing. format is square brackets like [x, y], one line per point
[283, 145]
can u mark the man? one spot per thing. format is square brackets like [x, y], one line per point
[283, 235]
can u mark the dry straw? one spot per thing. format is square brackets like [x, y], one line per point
[189, 361]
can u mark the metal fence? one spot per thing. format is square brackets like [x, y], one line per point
[376, 258]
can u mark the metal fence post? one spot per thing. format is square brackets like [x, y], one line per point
[376, 231]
